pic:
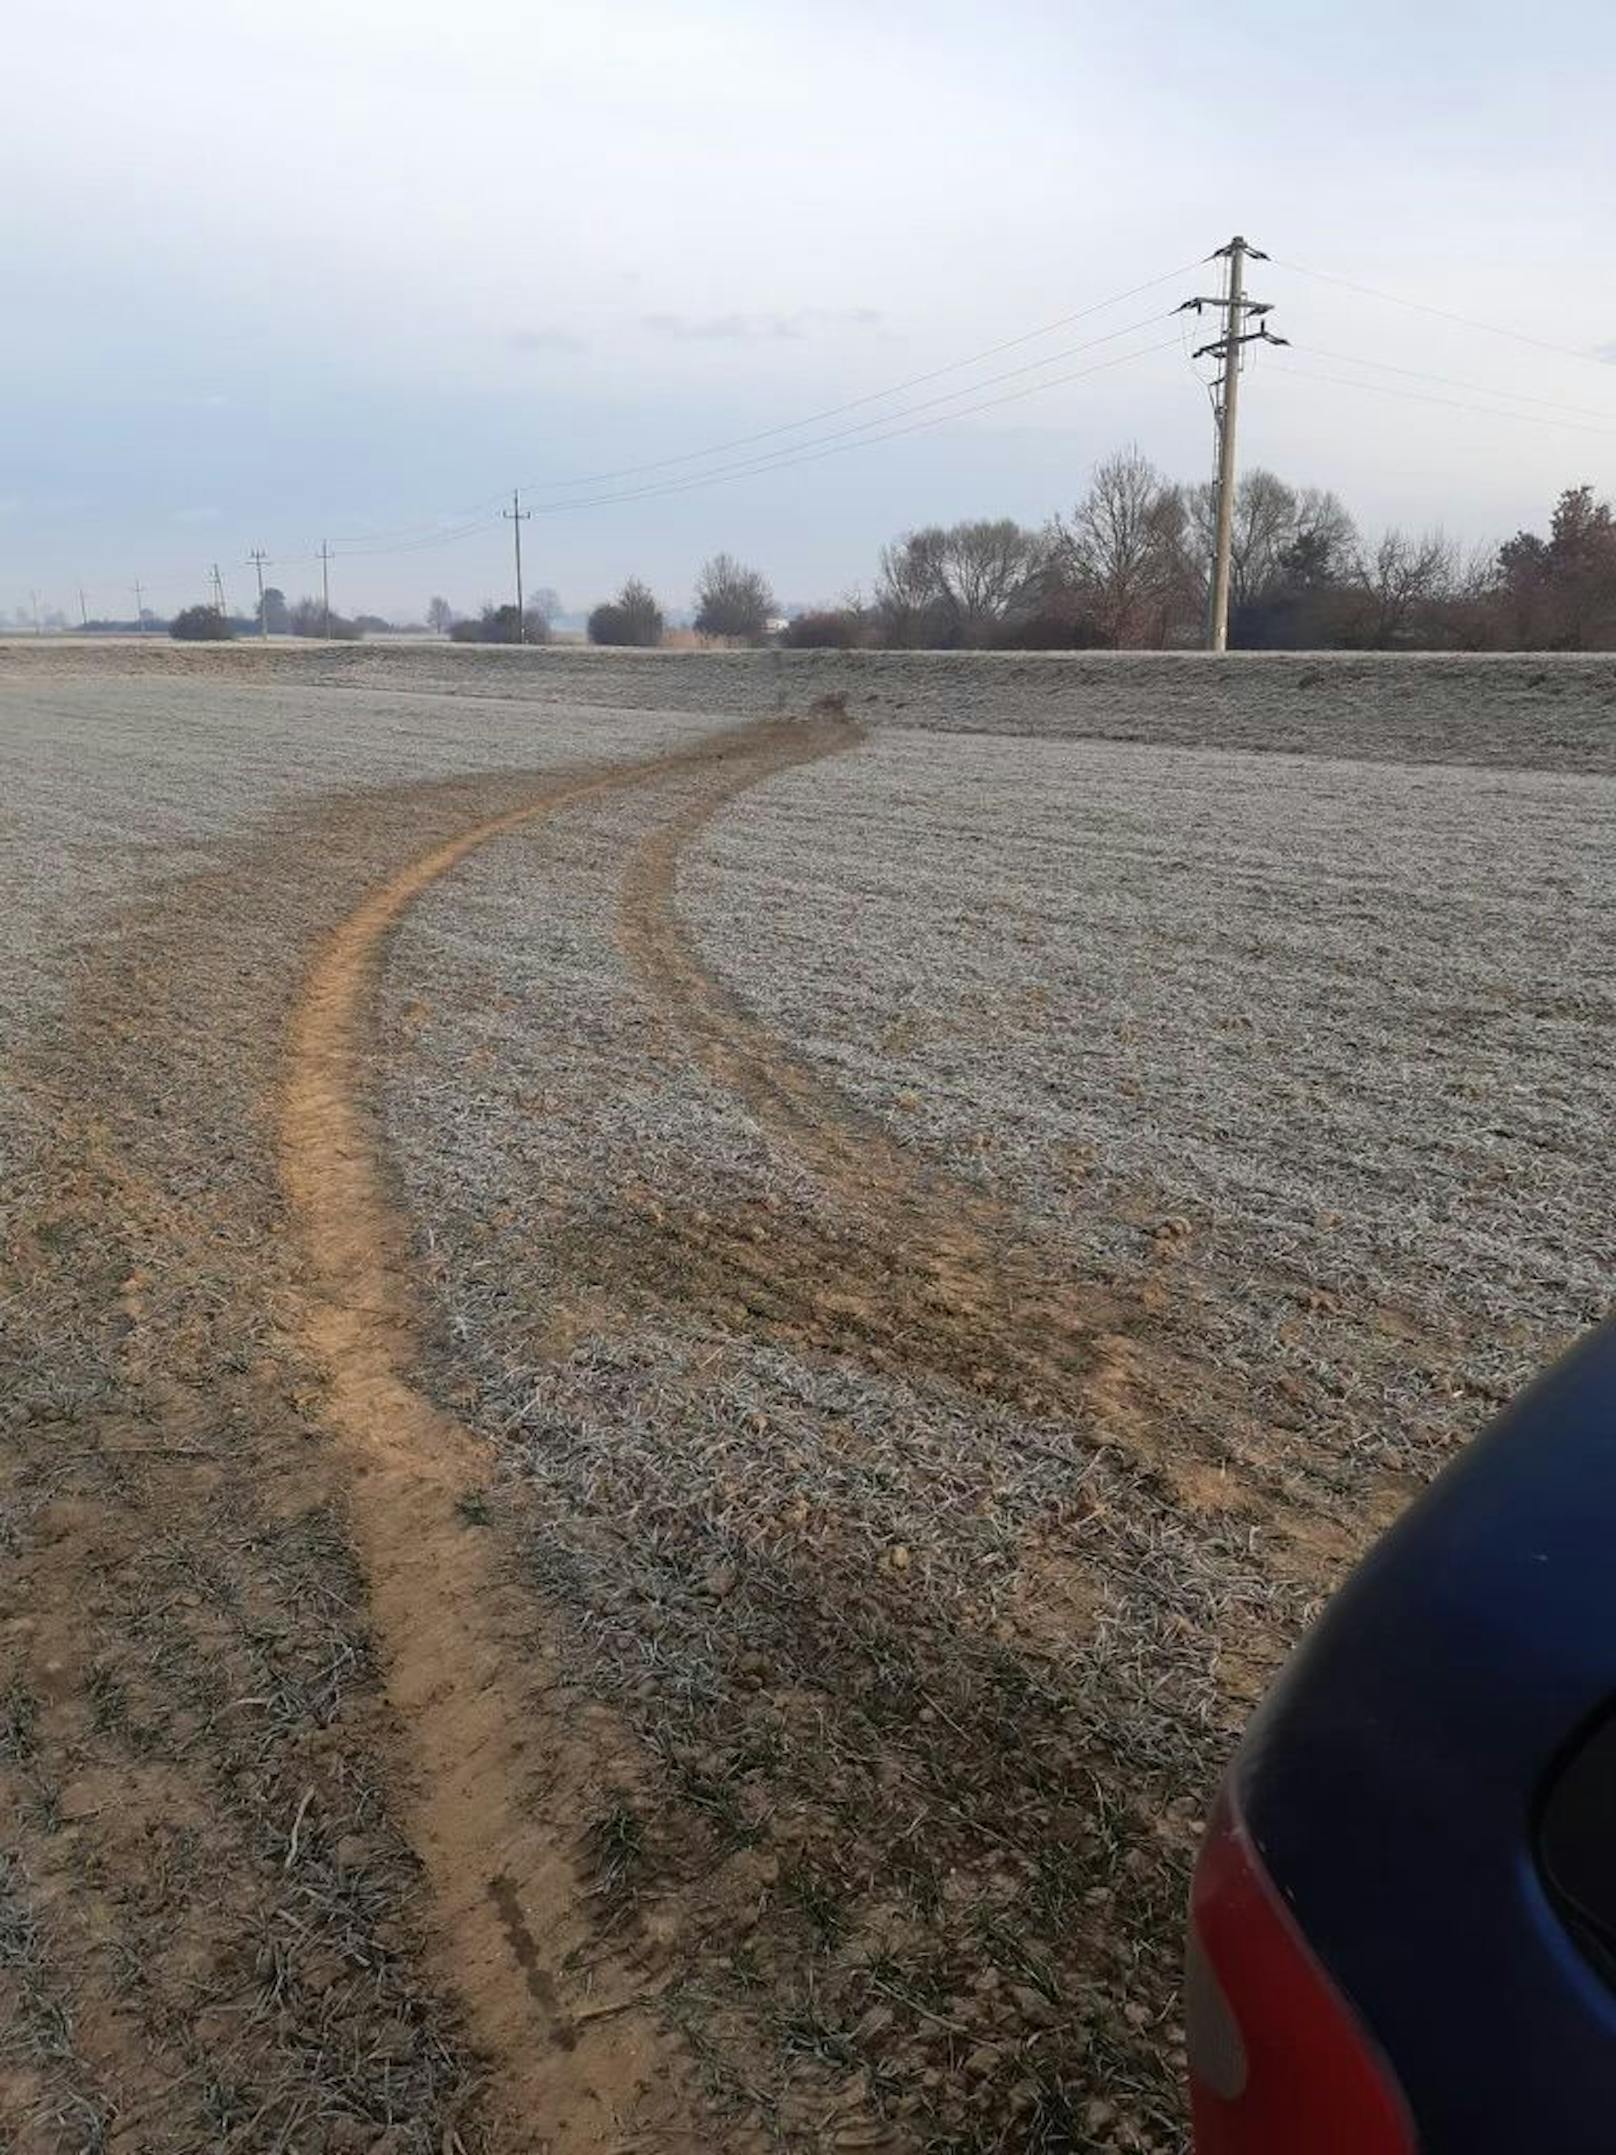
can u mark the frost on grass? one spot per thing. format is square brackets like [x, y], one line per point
[210, 1926]
[1525, 710]
[931, 1684]
[1326, 1048]
[1308, 1059]
[110, 784]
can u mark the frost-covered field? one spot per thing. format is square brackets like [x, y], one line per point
[953, 1234]
[1349, 1029]
[112, 782]
[1303, 1061]
[1515, 710]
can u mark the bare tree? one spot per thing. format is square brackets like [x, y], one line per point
[1265, 511]
[1324, 523]
[908, 588]
[961, 585]
[439, 616]
[1126, 551]
[732, 600]
[1403, 583]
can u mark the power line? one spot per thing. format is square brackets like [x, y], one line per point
[1419, 374]
[1418, 396]
[411, 546]
[873, 430]
[420, 535]
[865, 426]
[1446, 314]
[830, 442]
[840, 448]
[875, 396]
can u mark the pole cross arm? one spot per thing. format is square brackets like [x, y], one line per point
[1224, 345]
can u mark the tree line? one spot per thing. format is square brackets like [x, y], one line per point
[1125, 569]
[1128, 568]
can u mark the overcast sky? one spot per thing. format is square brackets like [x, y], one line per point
[278, 270]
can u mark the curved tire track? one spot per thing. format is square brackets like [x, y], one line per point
[942, 1277]
[455, 1635]
[930, 1277]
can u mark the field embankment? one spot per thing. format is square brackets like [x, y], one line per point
[1534, 711]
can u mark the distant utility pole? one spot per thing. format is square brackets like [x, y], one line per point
[218, 593]
[33, 600]
[325, 587]
[258, 557]
[84, 611]
[140, 609]
[1228, 350]
[516, 516]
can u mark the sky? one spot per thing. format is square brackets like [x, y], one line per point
[278, 272]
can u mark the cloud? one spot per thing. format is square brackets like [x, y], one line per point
[545, 340]
[759, 328]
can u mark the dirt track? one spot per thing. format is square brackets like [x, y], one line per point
[251, 1399]
[196, 1737]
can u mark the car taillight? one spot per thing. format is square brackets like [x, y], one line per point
[1278, 2062]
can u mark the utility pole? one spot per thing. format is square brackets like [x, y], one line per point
[258, 557]
[33, 600]
[1228, 349]
[325, 586]
[218, 592]
[140, 610]
[516, 516]
[84, 611]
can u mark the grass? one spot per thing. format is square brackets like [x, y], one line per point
[1088, 987]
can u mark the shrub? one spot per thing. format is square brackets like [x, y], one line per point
[498, 625]
[827, 629]
[201, 624]
[308, 618]
[633, 618]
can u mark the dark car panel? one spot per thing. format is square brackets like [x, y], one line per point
[1412, 1788]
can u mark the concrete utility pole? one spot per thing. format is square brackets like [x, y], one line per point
[84, 611]
[218, 593]
[516, 516]
[258, 557]
[33, 601]
[140, 609]
[325, 586]
[1228, 350]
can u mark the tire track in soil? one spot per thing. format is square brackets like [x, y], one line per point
[932, 1275]
[928, 1276]
[456, 1634]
